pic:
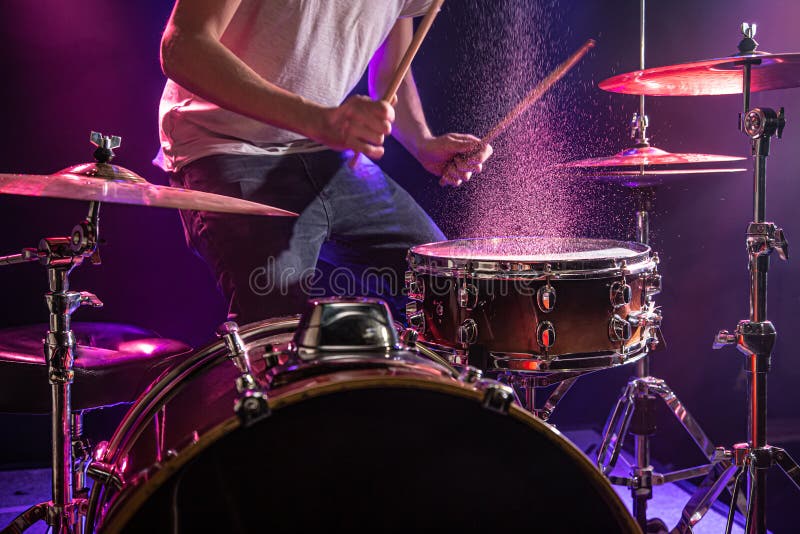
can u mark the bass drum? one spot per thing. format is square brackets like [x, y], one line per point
[385, 441]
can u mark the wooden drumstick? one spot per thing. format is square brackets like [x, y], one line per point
[535, 94]
[408, 57]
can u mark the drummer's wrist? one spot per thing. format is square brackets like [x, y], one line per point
[304, 117]
[416, 141]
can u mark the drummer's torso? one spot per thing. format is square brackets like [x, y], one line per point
[314, 48]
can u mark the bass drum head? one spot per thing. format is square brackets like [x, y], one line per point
[381, 453]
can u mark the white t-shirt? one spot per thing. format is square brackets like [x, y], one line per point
[318, 49]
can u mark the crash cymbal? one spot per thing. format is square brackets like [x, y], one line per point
[648, 178]
[649, 155]
[720, 76]
[104, 182]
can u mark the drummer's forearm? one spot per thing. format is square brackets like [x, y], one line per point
[225, 80]
[410, 127]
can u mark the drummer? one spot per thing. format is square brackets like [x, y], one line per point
[256, 106]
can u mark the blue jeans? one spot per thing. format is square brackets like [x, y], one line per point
[358, 222]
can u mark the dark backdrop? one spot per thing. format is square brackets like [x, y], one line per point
[72, 67]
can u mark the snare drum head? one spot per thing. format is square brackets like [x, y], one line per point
[370, 450]
[525, 257]
[532, 249]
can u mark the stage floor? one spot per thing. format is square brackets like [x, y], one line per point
[21, 488]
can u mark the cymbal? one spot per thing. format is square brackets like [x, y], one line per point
[103, 182]
[720, 76]
[649, 155]
[649, 178]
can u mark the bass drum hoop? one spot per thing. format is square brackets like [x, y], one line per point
[125, 509]
[164, 388]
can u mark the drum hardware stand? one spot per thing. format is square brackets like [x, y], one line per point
[635, 408]
[60, 255]
[755, 337]
[251, 405]
[529, 383]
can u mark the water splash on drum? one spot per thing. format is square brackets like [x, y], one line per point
[515, 44]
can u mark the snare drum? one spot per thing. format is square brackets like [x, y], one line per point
[383, 440]
[534, 303]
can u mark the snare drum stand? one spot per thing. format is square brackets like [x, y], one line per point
[60, 255]
[755, 337]
[635, 413]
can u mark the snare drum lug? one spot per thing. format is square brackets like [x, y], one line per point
[619, 329]
[546, 298]
[652, 284]
[415, 317]
[415, 286]
[467, 295]
[468, 332]
[546, 334]
[621, 294]
[497, 397]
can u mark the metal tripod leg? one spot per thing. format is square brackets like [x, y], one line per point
[787, 465]
[529, 385]
[639, 395]
[707, 492]
[615, 430]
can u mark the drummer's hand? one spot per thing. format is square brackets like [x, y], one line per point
[359, 124]
[454, 157]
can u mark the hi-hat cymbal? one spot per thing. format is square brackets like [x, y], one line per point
[650, 177]
[720, 76]
[103, 182]
[649, 155]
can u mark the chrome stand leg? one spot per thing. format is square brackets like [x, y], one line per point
[634, 412]
[59, 347]
[755, 337]
[705, 495]
[528, 385]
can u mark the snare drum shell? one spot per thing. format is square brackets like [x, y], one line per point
[490, 293]
[508, 316]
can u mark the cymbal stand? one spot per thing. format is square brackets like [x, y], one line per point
[60, 255]
[635, 413]
[635, 408]
[755, 337]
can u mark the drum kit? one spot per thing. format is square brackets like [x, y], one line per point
[344, 418]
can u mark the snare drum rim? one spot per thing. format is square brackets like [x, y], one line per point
[499, 269]
[124, 510]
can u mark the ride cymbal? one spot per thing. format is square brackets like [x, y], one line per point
[720, 76]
